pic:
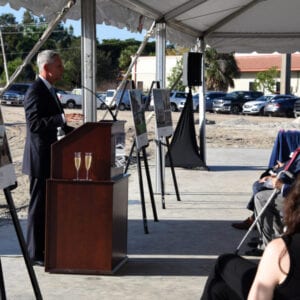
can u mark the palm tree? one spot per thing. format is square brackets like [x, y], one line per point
[220, 70]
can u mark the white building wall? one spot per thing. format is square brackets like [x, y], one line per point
[242, 83]
[295, 83]
[145, 70]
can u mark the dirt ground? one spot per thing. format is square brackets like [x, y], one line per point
[231, 131]
[225, 130]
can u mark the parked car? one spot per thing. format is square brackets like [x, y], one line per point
[209, 97]
[297, 108]
[234, 101]
[15, 94]
[108, 98]
[195, 103]
[101, 100]
[256, 107]
[125, 103]
[69, 100]
[280, 107]
[176, 98]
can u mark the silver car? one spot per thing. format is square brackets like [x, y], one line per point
[256, 107]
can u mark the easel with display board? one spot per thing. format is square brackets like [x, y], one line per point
[164, 131]
[141, 143]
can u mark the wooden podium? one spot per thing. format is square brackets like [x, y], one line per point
[86, 220]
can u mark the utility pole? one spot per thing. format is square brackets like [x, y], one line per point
[4, 56]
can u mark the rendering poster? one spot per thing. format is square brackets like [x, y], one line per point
[163, 113]
[138, 112]
[7, 171]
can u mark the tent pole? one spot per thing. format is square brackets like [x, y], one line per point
[202, 104]
[4, 57]
[161, 78]
[88, 59]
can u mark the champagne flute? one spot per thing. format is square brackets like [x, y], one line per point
[77, 162]
[88, 161]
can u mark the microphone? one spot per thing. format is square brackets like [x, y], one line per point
[106, 106]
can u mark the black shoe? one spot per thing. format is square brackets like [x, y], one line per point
[256, 239]
[254, 252]
[253, 244]
[39, 263]
[244, 225]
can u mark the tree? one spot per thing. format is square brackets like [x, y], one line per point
[10, 33]
[71, 57]
[175, 77]
[125, 57]
[220, 70]
[266, 80]
[26, 75]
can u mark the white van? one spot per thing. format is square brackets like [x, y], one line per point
[109, 96]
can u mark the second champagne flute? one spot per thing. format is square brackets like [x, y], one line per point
[88, 161]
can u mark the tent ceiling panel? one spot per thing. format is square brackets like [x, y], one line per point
[231, 25]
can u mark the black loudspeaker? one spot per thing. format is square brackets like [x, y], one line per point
[192, 62]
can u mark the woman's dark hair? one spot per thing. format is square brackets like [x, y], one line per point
[292, 208]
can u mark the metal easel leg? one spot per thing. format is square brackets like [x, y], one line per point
[173, 170]
[161, 176]
[2, 287]
[22, 243]
[129, 157]
[149, 185]
[145, 223]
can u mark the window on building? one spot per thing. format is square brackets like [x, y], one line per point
[251, 86]
[278, 87]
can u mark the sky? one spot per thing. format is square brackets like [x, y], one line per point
[102, 31]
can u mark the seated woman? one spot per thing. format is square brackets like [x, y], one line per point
[278, 273]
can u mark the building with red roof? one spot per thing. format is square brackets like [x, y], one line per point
[249, 64]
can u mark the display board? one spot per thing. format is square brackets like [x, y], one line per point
[163, 113]
[7, 171]
[138, 113]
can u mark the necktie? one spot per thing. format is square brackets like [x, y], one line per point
[53, 93]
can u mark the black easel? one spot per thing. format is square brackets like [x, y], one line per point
[145, 222]
[14, 216]
[147, 102]
[160, 144]
[139, 168]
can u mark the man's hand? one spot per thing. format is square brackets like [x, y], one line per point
[74, 117]
[277, 183]
[264, 179]
[278, 165]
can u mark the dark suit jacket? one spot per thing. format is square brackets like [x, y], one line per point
[43, 116]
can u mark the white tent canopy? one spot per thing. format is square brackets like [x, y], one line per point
[231, 25]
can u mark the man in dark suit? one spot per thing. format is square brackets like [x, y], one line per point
[44, 114]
